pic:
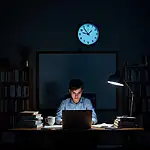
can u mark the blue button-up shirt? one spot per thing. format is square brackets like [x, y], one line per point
[68, 104]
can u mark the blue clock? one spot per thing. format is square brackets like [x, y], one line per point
[88, 34]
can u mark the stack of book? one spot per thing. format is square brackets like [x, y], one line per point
[30, 119]
[125, 122]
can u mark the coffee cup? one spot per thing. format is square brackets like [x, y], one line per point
[50, 120]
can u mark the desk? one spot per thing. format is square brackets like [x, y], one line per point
[93, 128]
[86, 138]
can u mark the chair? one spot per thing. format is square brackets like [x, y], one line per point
[90, 96]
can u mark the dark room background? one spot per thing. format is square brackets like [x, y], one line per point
[56, 70]
[53, 25]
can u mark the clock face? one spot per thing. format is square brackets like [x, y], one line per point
[88, 34]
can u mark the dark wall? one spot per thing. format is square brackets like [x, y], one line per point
[124, 27]
[53, 25]
[56, 70]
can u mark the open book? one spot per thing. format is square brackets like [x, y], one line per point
[53, 127]
[102, 125]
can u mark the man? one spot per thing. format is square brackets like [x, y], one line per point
[76, 102]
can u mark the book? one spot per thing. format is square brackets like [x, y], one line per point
[30, 122]
[33, 117]
[29, 113]
[24, 125]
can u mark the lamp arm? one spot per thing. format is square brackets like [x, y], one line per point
[132, 98]
[128, 87]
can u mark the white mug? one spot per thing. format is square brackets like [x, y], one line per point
[50, 120]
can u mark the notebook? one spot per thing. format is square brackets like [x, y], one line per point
[76, 119]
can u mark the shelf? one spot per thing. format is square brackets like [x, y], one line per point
[137, 77]
[16, 98]
[138, 82]
[136, 67]
[140, 97]
[15, 83]
[15, 91]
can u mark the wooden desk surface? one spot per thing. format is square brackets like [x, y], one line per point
[93, 128]
[92, 137]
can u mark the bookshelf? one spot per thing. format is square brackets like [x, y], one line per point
[16, 94]
[138, 78]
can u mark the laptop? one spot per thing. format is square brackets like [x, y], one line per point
[76, 119]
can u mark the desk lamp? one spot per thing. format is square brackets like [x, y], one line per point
[116, 79]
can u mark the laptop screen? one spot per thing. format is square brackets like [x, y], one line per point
[77, 119]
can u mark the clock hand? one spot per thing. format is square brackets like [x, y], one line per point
[84, 33]
[85, 30]
[90, 31]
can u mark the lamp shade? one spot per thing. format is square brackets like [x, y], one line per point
[115, 79]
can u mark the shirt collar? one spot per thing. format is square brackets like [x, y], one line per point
[80, 101]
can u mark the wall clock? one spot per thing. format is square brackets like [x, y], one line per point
[88, 34]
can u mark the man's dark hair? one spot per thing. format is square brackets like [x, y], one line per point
[75, 84]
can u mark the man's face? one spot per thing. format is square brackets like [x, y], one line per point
[76, 94]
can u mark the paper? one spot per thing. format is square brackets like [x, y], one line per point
[102, 125]
[53, 127]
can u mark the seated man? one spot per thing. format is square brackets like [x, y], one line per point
[76, 102]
